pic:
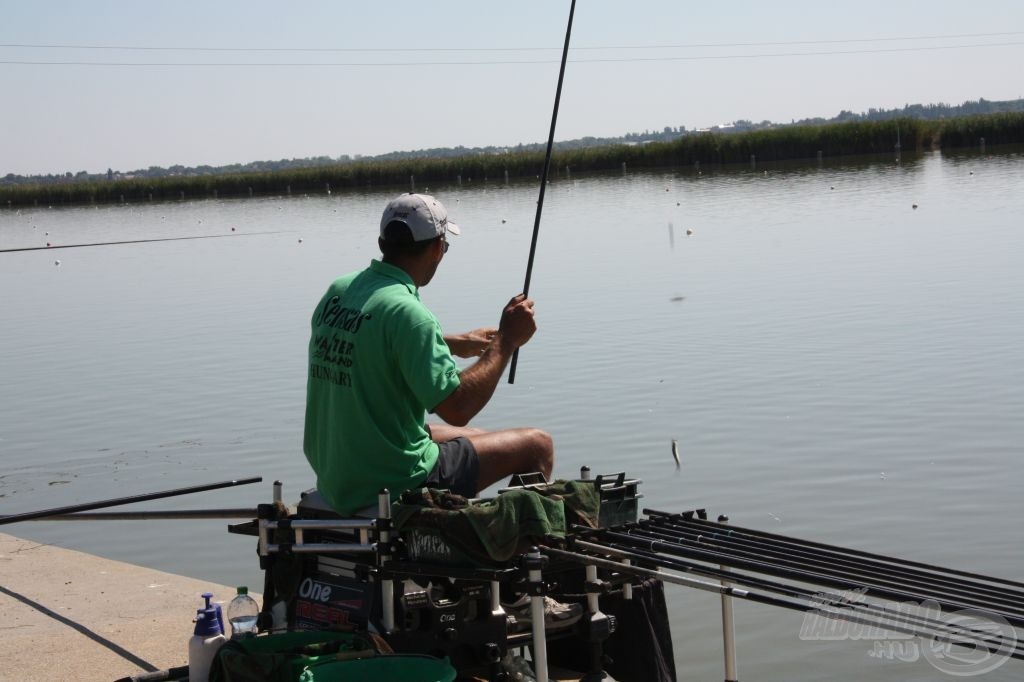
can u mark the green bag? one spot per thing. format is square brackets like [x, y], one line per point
[321, 657]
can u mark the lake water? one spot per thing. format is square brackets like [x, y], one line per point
[834, 363]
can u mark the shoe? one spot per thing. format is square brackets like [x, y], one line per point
[556, 614]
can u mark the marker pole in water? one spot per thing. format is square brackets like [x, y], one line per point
[544, 178]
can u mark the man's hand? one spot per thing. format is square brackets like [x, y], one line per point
[471, 344]
[517, 323]
[477, 382]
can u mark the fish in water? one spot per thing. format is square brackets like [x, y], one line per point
[675, 452]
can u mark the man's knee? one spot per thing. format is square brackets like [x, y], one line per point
[542, 447]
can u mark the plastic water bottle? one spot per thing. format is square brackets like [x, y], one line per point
[242, 613]
[207, 638]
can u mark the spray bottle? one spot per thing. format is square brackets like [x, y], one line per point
[206, 640]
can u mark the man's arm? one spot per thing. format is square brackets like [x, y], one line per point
[471, 344]
[477, 382]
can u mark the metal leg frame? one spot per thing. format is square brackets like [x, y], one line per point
[387, 585]
[534, 562]
[728, 628]
[598, 626]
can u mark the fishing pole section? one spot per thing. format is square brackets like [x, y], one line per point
[544, 179]
[74, 511]
[50, 247]
[845, 593]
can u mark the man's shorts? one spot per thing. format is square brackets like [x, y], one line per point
[457, 468]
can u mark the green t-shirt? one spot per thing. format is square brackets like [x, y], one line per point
[377, 362]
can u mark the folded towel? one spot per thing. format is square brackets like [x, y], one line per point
[495, 530]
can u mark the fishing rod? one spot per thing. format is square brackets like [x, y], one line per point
[787, 558]
[544, 179]
[157, 515]
[834, 562]
[647, 552]
[887, 588]
[653, 513]
[89, 506]
[50, 247]
[883, 611]
[835, 612]
[817, 596]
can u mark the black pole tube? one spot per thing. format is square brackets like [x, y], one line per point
[770, 600]
[836, 563]
[88, 506]
[645, 555]
[641, 556]
[809, 543]
[157, 515]
[879, 588]
[544, 179]
[127, 241]
[727, 548]
[785, 541]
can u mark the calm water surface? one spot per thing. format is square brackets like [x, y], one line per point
[835, 364]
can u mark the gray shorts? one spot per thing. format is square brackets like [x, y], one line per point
[457, 468]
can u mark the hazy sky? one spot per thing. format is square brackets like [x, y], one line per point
[254, 80]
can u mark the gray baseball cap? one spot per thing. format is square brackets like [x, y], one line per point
[426, 217]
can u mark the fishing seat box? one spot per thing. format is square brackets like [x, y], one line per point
[331, 590]
[341, 590]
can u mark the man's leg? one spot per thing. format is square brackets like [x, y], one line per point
[503, 453]
[512, 451]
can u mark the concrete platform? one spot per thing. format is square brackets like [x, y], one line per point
[66, 615]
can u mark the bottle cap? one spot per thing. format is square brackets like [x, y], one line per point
[207, 621]
[243, 590]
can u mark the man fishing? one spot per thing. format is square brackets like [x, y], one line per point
[378, 361]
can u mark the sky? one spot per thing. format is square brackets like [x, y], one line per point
[238, 81]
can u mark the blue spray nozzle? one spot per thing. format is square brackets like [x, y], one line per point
[208, 618]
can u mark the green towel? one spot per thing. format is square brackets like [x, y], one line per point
[493, 531]
[514, 519]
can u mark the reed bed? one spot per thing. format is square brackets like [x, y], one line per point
[789, 143]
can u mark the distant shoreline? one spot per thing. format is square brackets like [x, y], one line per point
[705, 149]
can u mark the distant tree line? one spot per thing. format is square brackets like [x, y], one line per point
[668, 133]
[693, 149]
